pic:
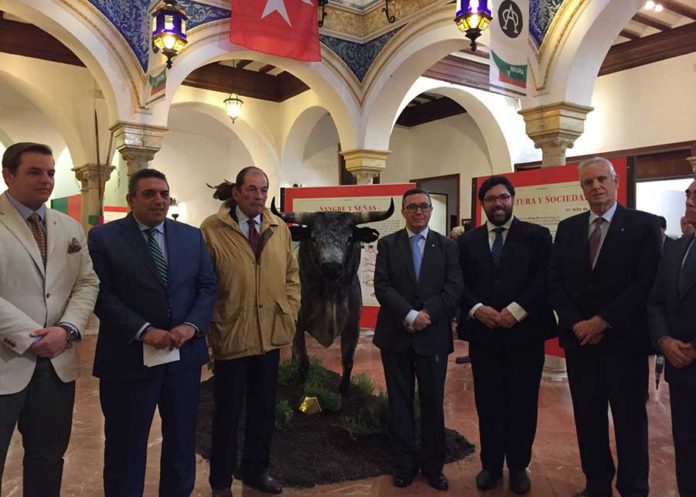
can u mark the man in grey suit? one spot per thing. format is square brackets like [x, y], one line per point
[418, 283]
[47, 292]
[672, 319]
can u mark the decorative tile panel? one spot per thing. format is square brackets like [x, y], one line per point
[201, 13]
[358, 57]
[541, 13]
[132, 19]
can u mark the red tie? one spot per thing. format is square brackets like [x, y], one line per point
[595, 238]
[253, 237]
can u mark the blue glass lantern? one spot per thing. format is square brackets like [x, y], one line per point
[473, 17]
[169, 30]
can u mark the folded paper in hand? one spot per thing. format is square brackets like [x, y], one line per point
[155, 357]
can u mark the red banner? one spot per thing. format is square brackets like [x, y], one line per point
[287, 28]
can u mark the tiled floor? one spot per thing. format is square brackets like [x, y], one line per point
[554, 470]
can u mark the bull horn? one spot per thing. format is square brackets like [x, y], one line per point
[291, 217]
[372, 217]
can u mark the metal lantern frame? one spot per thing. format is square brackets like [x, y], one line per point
[169, 30]
[472, 18]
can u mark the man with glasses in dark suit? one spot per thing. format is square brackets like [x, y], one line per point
[417, 283]
[506, 318]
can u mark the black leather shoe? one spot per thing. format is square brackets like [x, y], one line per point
[487, 479]
[264, 483]
[403, 478]
[438, 481]
[519, 481]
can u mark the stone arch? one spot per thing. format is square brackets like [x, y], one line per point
[329, 79]
[261, 150]
[575, 47]
[296, 139]
[405, 58]
[27, 88]
[96, 43]
[495, 116]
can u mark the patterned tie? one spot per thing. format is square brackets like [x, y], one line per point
[416, 253]
[688, 270]
[253, 237]
[39, 231]
[595, 238]
[497, 247]
[157, 256]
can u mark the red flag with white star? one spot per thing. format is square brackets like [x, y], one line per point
[287, 28]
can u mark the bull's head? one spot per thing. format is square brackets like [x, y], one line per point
[333, 236]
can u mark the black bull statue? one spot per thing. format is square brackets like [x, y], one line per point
[329, 257]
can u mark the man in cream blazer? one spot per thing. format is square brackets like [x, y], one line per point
[47, 292]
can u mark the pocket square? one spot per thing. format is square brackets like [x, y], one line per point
[74, 246]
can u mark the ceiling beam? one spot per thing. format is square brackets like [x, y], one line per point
[652, 22]
[649, 49]
[241, 64]
[429, 111]
[267, 68]
[460, 71]
[679, 8]
[226, 79]
[631, 35]
[24, 39]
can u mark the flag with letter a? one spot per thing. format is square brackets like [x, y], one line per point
[510, 45]
[287, 28]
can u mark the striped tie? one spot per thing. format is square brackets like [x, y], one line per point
[157, 256]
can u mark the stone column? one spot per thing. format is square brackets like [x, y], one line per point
[365, 165]
[137, 144]
[93, 178]
[554, 129]
[692, 163]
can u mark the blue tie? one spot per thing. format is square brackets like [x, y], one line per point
[416, 252]
[497, 248]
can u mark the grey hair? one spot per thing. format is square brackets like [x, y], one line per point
[598, 160]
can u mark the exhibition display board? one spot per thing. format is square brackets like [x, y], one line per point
[354, 198]
[547, 196]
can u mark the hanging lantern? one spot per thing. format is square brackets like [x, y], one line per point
[233, 104]
[473, 17]
[169, 30]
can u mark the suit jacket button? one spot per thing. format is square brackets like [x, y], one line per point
[48, 295]
[260, 306]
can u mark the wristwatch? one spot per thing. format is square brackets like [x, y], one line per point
[71, 334]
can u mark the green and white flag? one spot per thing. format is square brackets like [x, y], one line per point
[510, 45]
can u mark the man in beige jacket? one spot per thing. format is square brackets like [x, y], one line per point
[47, 292]
[258, 301]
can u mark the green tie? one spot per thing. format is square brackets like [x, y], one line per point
[157, 256]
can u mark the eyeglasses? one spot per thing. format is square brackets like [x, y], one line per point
[414, 207]
[503, 197]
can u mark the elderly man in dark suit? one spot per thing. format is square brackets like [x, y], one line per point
[155, 302]
[417, 283]
[602, 270]
[672, 318]
[506, 317]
